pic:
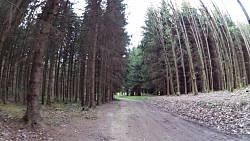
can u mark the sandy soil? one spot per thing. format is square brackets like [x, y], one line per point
[129, 120]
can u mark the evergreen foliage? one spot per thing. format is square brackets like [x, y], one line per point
[50, 54]
[189, 49]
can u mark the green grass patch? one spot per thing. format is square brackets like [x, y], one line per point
[12, 110]
[133, 97]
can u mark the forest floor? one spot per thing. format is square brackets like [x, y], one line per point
[219, 116]
[224, 111]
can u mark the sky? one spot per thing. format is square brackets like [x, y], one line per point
[136, 13]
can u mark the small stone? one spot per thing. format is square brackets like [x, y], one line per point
[24, 135]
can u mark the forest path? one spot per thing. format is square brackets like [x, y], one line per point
[131, 120]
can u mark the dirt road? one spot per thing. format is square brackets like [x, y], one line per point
[129, 120]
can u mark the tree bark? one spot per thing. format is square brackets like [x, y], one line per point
[51, 69]
[93, 69]
[32, 115]
[190, 58]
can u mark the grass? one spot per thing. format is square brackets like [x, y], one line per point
[55, 115]
[18, 110]
[61, 106]
[133, 97]
[12, 110]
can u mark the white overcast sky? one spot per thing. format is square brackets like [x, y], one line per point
[136, 10]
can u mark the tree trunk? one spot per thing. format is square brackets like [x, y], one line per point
[32, 115]
[51, 69]
[176, 18]
[190, 58]
[44, 81]
[4, 81]
[93, 67]
[244, 10]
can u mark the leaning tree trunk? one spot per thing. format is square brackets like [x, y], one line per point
[176, 27]
[190, 58]
[244, 10]
[216, 36]
[32, 115]
[161, 37]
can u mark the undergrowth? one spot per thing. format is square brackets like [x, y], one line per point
[13, 110]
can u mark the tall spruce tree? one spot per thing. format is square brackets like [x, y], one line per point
[32, 114]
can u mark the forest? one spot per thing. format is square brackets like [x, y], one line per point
[49, 54]
[189, 50]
